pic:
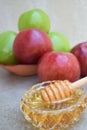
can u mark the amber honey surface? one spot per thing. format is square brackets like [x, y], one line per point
[57, 115]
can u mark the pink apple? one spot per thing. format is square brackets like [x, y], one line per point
[30, 45]
[58, 66]
[80, 51]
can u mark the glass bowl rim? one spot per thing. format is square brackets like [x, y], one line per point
[42, 111]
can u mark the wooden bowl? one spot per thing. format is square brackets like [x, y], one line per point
[22, 70]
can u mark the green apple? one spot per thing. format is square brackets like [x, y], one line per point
[6, 48]
[35, 18]
[60, 42]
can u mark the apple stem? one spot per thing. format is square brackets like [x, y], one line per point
[79, 83]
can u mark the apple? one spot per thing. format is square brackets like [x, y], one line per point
[35, 18]
[80, 51]
[30, 45]
[60, 42]
[6, 48]
[58, 66]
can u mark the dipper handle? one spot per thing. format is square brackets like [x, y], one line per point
[79, 83]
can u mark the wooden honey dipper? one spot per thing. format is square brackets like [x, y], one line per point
[57, 90]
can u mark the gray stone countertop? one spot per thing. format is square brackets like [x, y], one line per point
[12, 88]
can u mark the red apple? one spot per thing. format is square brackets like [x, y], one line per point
[30, 45]
[80, 51]
[58, 66]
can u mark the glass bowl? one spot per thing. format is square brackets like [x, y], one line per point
[57, 115]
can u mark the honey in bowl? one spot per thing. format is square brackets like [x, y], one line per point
[58, 114]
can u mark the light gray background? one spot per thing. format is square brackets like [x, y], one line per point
[68, 17]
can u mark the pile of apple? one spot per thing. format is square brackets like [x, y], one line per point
[35, 44]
